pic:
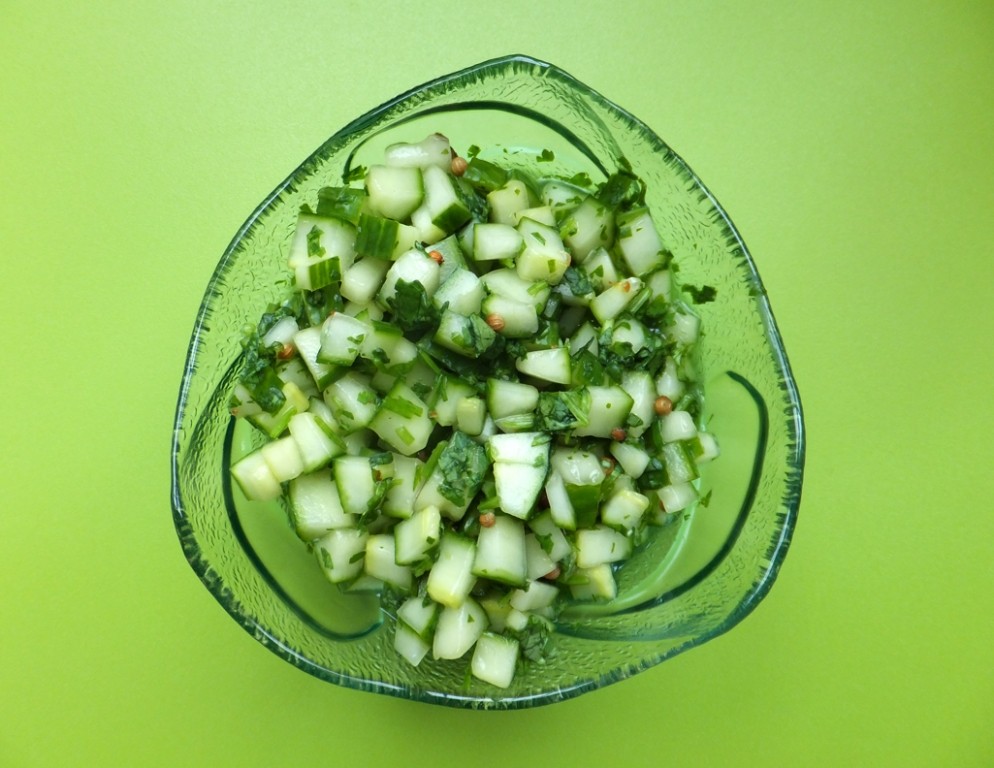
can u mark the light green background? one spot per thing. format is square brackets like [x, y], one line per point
[851, 142]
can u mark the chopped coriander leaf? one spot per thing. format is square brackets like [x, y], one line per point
[314, 247]
[701, 295]
[412, 309]
[581, 179]
[547, 156]
[534, 639]
[559, 411]
[463, 465]
[354, 174]
[578, 282]
[622, 190]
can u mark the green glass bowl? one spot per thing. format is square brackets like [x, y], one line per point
[696, 579]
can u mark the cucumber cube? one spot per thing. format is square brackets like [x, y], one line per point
[495, 659]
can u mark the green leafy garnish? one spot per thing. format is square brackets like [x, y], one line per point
[358, 173]
[702, 294]
[463, 464]
[412, 308]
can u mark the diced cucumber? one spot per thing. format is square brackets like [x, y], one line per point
[494, 242]
[660, 286]
[433, 150]
[600, 269]
[537, 560]
[583, 478]
[381, 563]
[495, 659]
[685, 329]
[627, 330]
[428, 231]
[255, 478]
[352, 400]
[399, 500]
[308, 344]
[552, 365]
[543, 214]
[284, 459]
[517, 320]
[562, 196]
[417, 537]
[384, 345]
[642, 390]
[639, 242]
[469, 336]
[609, 409]
[599, 545]
[678, 425]
[511, 198]
[321, 250]
[394, 191]
[597, 583]
[357, 480]
[452, 254]
[462, 292]
[668, 382]
[550, 534]
[341, 553]
[678, 458]
[585, 337]
[632, 459]
[451, 577]
[518, 486]
[505, 398]
[677, 497]
[624, 510]
[420, 615]
[507, 283]
[364, 312]
[345, 203]
[363, 279]
[317, 444]
[281, 333]
[412, 266]
[611, 302]
[458, 629]
[500, 552]
[380, 238]
[531, 448]
[315, 506]
[274, 424]
[341, 338]
[590, 225]
[402, 420]
[706, 448]
[446, 396]
[544, 256]
[471, 416]
[536, 596]
[444, 200]
[409, 645]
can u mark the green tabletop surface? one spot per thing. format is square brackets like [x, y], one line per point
[850, 142]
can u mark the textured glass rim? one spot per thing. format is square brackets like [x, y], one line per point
[796, 447]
